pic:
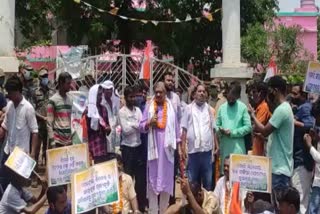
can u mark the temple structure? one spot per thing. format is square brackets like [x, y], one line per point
[306, 17]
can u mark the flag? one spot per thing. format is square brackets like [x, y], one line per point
[271, 70]
[235, 206]
[145, 67]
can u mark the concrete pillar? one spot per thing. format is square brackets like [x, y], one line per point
[7, 18]
[231, 67]
[231, 41]
[8, 61]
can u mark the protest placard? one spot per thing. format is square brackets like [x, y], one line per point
[62, 162]
[312, 80]
[253, 172]
[95, 187]
[21, 162]
[79, 104]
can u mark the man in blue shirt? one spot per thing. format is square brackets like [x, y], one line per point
[303, 162]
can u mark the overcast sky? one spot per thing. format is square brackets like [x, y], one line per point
[290, 5]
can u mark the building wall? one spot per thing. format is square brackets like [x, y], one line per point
[309, 30]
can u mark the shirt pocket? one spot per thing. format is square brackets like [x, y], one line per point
[21, 121]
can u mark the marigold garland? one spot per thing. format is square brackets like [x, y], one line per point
[117, 207]
[163, 123]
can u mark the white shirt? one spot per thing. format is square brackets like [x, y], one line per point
[316, 157]
[14, 200]
[129, 122]
[206, 129]
[220, 192]
[19, 123]
[175, 101]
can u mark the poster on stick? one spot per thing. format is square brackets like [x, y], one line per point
[20, 162]
[78, 107]
[252, 172]
[95, 187]
[312, 80]
[62, 162]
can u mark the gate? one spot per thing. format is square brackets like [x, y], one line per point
[124, 70]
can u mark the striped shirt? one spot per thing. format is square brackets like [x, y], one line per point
[59, 119]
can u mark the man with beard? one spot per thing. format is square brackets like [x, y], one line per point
[280, 128]
[172, 96]
[233, 123]
[168, 80]
[303, 162]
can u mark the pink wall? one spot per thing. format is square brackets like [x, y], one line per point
[309, 30]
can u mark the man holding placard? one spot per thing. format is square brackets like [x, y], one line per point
[280, 128]
[20, 122]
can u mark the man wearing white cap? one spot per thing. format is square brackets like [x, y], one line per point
[103, 106]
[111, 101]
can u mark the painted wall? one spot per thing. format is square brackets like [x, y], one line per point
[308, 23]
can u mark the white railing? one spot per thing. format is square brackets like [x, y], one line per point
[124, 70]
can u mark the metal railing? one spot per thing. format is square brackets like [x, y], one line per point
[124, 70]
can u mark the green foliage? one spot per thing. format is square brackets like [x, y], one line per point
[255, 46]
[88, 26]
[260, 43]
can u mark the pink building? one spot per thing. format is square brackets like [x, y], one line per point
[306, 17]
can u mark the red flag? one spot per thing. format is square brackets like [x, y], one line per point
[145, 67]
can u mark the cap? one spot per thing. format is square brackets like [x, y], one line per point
[107, 84]
[2, 72]
[43, 72]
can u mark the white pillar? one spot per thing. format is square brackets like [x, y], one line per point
[7, 18]
[231, 67]
[231, 41]
[8, 61]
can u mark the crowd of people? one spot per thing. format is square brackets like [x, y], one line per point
[168, 143]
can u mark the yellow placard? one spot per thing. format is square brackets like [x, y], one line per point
[21, 162]
[62, 162]
[252, 172]
[95, 187]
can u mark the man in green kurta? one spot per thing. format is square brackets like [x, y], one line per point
[233, 123]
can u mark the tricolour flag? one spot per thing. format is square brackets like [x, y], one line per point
[272, 70]
[145, 66]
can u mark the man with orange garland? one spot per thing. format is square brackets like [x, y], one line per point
[161, 123]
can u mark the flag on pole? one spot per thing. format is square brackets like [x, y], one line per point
[235, 206]
[145, 67]
[272, 70]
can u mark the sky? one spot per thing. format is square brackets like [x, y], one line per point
[290, 5]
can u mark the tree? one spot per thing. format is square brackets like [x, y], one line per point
[88, 26]
[260, 43]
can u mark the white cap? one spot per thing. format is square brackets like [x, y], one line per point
[107, 85]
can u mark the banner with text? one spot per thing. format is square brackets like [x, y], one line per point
[64, 161]
[95, 187]
[21, 162]
[253, 172]
[312, 80]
